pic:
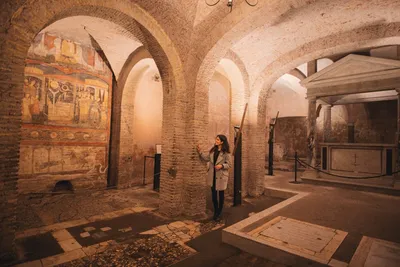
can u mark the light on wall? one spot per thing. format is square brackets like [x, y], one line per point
[230, 3]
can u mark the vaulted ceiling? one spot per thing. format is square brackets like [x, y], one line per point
[259, 35]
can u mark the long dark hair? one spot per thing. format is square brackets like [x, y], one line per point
[225, 144]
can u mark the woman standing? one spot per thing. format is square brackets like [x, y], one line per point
[220, 161]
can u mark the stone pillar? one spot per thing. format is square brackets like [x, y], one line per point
[327, 122]
[311, 130]
[311, 119]
[311, 68]
[350, 132]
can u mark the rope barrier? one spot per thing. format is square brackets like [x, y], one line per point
[304, 164]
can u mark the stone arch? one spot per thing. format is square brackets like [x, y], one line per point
[241, 68]
[219, 106]
[297, 73]
[363, 37]
[116, 125]
[227, 31]
[127, 104]
[237, 74]
[378, 35]
[20, 29]
[216, 36]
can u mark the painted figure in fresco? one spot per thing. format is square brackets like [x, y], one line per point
[95, 113]
[84, 99]
[79, 90]
[68, 51]
[59, 100]
[31, 109]
[219, 158]
[88, 106]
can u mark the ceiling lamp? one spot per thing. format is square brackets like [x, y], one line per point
[230, 3]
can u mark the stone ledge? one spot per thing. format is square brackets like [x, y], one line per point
[395, 191]
[251, 222]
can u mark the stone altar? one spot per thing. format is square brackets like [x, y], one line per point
[357, 159]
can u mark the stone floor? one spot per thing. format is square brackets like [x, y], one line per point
[123, 228]
[36, 210]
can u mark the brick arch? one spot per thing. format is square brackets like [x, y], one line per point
[128, 164]
[232, 56]
[364, 37]
[239, 77]
[115, 160]
[213, 40]
[20, 29]
[28, 20]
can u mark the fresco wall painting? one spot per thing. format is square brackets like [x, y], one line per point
[65, 115]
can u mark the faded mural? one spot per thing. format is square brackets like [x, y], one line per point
[65, 110]
[290, 136]
[375, 123]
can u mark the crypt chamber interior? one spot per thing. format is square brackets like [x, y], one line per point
[92, 90]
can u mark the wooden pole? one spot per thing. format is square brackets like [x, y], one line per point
[240, 130]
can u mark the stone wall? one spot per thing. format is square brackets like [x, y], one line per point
[65, 116]
[374, 122]
[379, 124]
[290, 136]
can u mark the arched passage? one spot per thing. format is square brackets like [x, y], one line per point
[268, 75]
[14, 46]
[141, 121]
[278, 37]
[236, 73]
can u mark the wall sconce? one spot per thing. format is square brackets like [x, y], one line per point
[230, 3]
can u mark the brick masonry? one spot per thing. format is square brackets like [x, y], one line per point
[187, 54]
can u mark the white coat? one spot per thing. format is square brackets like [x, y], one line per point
[221, 175]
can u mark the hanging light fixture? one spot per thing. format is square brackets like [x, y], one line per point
[230, 3]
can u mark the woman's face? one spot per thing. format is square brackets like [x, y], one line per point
[218, 141]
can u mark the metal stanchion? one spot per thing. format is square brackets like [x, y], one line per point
[295, 168]
[237, 177]
[157, 170]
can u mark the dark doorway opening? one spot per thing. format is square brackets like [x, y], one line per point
[63, 186]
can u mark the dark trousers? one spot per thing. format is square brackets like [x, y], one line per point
[218, 202]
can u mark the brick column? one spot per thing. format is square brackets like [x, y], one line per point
[327, 122]
[311, 131]
[179, 191]
[255, 147]
[12, 65]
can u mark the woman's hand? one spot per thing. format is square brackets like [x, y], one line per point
[198, 148]
[218, 167]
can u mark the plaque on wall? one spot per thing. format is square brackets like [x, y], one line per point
[158, 149]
